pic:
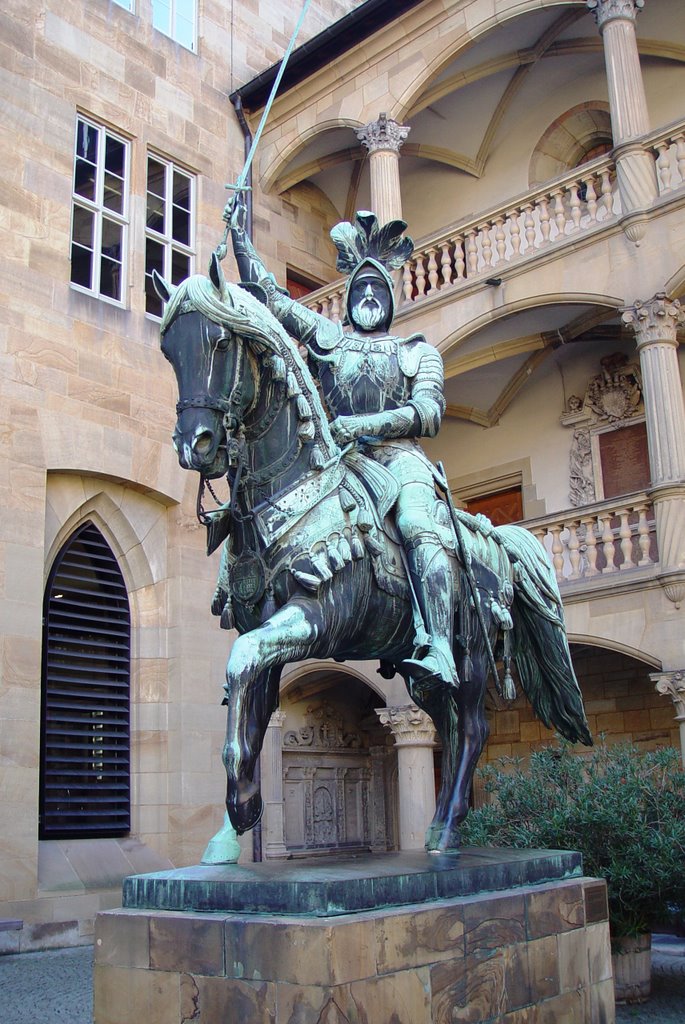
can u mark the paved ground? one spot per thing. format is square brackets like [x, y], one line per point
[56, 987]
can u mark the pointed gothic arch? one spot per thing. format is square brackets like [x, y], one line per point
[85, 763]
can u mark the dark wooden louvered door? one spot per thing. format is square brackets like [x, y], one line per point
[85, 742]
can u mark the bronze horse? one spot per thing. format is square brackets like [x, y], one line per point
[311, 567]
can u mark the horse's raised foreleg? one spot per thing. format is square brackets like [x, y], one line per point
[252, 680]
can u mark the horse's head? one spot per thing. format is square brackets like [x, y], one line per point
[209, 359]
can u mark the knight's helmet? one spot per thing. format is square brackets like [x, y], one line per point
[367, 250]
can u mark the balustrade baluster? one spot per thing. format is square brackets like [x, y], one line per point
[420, 276]
[573, 549]
[608, 545]
[500, 239]
[590, 545]
[557, 550]
[606, 192]
[545, 225]
[540, 532]
[643, 538]
[529, 226]
[459, 261]
[446, 264]
[574, 203]
[515, 232]
[335, 307]
[626, 535]
[432, 270]
[680, 156]
[407, 284]
[663, 165]
[559, 213]
[325, 308]
[590, 197]
[486, 244]
[472, 251]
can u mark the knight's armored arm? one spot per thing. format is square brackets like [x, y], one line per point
[420, 417]
[300, 322]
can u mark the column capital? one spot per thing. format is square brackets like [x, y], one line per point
[608, 10]
[672, 684]
[383, 134]
[277, 719]
[655, 320]
[409, 724]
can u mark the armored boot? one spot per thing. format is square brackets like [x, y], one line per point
[433, 584]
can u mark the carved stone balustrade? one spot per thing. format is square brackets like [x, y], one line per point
[609, 537]
[560, 212]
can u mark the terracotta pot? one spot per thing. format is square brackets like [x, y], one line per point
[631, 957]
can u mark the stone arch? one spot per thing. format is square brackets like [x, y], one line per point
[607, 305]
[481, 21]
[569, 141]
[328, 766]
[605, 643]
[274, 161]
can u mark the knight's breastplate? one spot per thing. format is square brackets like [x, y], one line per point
[363, 377]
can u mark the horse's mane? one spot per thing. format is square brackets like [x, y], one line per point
[233, 307]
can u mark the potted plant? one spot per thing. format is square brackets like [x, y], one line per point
[624, 810]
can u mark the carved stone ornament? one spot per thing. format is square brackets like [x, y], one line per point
[613, 396]
[607, 10]
[383, 134]
[581, 475]
[324, 729]
[655, 320]
[672, 684]
[410, 725]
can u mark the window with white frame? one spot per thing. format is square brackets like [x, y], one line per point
[176, 18]
[126, 4]
[99, 218]
[170, 229]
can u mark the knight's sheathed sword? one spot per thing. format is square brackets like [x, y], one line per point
[465, 556]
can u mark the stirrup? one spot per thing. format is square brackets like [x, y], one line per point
[434, 666]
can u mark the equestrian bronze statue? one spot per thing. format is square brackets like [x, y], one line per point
[340, 538]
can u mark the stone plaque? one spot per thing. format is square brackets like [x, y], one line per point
[624, 460]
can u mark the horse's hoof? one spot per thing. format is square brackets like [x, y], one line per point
[245, 816]
[443, 839]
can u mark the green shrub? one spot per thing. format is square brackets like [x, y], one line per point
[622, 809]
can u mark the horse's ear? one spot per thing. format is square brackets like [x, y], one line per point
[216, 274]
[162, 287]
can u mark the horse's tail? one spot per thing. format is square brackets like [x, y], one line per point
[540, 647]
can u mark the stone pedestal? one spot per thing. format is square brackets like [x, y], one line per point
[537, 948]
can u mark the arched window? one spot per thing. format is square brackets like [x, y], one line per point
[85, 730]
[581, 134]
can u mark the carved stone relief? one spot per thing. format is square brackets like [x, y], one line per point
[334, 784]
[612, 399]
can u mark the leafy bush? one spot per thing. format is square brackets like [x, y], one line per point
[622, 809]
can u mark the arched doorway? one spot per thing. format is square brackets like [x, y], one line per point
[337, 765]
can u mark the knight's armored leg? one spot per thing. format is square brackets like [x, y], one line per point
[432, 579]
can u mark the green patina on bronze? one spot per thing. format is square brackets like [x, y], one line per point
[338, 540]
[313, 888]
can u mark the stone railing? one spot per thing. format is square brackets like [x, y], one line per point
[597, 540]
[560, 211]
[668, 147]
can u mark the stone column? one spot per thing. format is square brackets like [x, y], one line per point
[414, 734]
[655, 323]
[383, 139]
[672, 684]
[635, 169]
[272, 787]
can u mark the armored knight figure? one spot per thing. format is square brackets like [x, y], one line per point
[382, 392]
